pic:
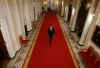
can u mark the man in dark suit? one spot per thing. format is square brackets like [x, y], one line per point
[51, 32]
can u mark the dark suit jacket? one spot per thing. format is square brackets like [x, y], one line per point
[51, 32]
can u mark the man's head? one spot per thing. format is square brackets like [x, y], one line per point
[51, 27]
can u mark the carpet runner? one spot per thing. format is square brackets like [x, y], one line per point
[56, 56]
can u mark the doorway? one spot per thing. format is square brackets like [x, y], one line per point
[82, 15]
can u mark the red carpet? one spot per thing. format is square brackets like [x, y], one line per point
[58, 56]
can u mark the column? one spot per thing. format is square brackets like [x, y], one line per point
[27, 15]
[62, 8]
[66, 13]
[72, 17]
[20, 7]
[7, 37]
[86, 27]
[75, 13]
[12, 24]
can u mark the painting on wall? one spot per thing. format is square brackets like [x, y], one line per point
[96, 36]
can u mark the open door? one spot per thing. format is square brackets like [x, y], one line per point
[3, 50]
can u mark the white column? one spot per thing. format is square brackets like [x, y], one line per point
[27, 15]
[62, 9]
[31, 11]
[66, 13]
[20, 9]
[72, 17]
[7, 37]
[36, 13]
[33, 15]
[86, 27]
[18, 22]
[12, 25]
[36, 9]
[76, 6]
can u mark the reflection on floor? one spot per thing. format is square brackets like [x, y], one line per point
[18, 61]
